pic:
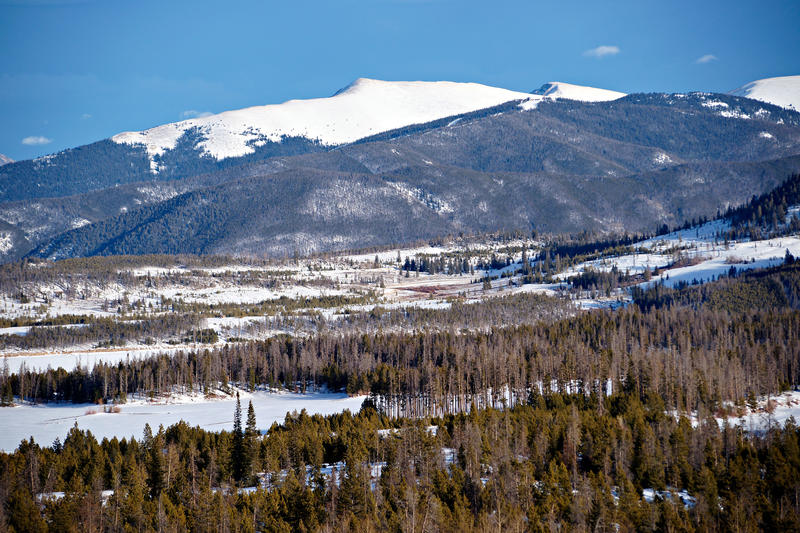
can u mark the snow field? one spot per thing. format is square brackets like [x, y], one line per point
[364, 108]
[782, 91]
[46, 422]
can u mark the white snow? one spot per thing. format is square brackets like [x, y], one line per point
[568, 91]
[745, 255]
[775, 410]
[6, 242]
[415, 194]
[246, 295]
[662, 159]
[46, 422]
[734, 114]
[782, 91]
[766, 135]
[79, 223]
[712, 258]
[69, 360]
[671, 494]
[364, 108]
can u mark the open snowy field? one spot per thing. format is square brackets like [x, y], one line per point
[70, 360]
[711, 258]
[46, 422]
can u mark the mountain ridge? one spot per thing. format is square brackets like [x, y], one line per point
[782, 91]
[545, 162]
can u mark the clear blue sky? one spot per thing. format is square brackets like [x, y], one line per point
[72, 72]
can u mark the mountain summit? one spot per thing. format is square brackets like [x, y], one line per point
[783, 91]
[364, 108]
[568, 91]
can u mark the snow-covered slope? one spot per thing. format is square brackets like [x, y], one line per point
[4, 160]
[783, 91]
[557, 89]
[364, 108]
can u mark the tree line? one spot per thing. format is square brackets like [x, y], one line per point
[560, 462]
[705, 348]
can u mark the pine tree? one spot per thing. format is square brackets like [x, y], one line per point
[250, 438]
[155, 462]
[237, 448]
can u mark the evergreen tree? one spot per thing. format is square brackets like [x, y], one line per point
[237, 447]
[250, 440]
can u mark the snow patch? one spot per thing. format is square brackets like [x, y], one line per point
[418, 195]
[662, 159]
[734, 113]
[6, 242]
[79, 223]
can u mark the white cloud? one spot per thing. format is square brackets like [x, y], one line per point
[86, 116]
[708, 58]
[36, 140]
[193, 113]
[602, 51]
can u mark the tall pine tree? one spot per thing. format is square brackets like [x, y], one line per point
[237, 448]
[250, 441]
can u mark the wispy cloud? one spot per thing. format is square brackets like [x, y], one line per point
[708, 58]
[86, 116]
[36, 140]
[193, 113]
[602, 51]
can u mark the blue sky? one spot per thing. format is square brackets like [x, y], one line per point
[73, 72]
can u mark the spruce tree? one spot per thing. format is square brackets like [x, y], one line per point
[237, 448]
[250, 438]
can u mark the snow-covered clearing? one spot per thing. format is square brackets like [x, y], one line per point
[219, 294]
[69, 360]
[772, 411]
[710, 258]
[46, 422]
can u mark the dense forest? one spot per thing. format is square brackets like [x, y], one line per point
[561, 462]
[766, 215]
[516, 413]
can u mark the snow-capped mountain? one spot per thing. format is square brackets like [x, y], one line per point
[382, 162]
[4, 160]
[568, 91]
[783, 91]
[364, 108]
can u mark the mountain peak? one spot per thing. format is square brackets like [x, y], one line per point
[4, 160]
[782, 91]
[364, 108]
[568, 91]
